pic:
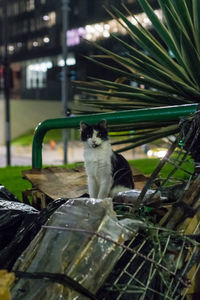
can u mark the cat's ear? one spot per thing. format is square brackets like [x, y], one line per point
[83, 125]
[103, 124]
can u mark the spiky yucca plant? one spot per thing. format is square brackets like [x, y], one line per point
[166, 79]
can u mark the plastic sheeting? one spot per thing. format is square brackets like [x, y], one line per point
[19, 223]
[131, 196]
[86, 258]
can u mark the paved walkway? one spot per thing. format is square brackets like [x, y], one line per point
[22, 156]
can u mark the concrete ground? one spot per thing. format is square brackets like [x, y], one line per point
[22, 156]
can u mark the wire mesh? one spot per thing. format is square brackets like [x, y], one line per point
[170, 247]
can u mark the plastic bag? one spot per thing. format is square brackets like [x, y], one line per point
[19, 223]
[131, 196]
[6, 195]
[86, 258]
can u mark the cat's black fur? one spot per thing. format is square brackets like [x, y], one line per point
[121, 171]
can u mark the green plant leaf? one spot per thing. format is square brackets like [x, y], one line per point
[152, 74]
[192, 61]
[161, 29]
[155, 49]
[148, 139]
[170, 22]
[180, 32]
[134, 77]
[172, 129]
[123, 95]
[160, 77]
[184, 17]
[126, 88]
[157, 69]
[196, 17]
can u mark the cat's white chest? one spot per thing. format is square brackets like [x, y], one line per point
[98, 160]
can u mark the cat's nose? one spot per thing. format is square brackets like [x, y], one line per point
[94, 144]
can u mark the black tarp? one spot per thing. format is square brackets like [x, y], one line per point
[19, 223]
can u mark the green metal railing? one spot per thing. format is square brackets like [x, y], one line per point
[124, 117]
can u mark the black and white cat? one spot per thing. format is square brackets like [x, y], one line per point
[108, 172]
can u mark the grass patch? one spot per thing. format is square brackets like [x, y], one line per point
[11, 177]
[25, 139]
[54, 134]
[147, 165]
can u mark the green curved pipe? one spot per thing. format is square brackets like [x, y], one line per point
[123, 117]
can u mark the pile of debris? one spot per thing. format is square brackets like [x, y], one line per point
[140, 245]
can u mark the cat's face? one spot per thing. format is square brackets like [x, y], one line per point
[94, 135]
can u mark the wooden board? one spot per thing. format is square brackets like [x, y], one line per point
[57, 182]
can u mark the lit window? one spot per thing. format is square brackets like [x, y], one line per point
[46, 18]
[35, 44]
[70, 61]
[16, 8]
[11, 48]
[97, 31]
[46, 39]
[36, 74]
[50, 19]
[106, 34]
[74, 36]
[30, 5]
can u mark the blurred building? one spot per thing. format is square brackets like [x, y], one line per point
[35, 42]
